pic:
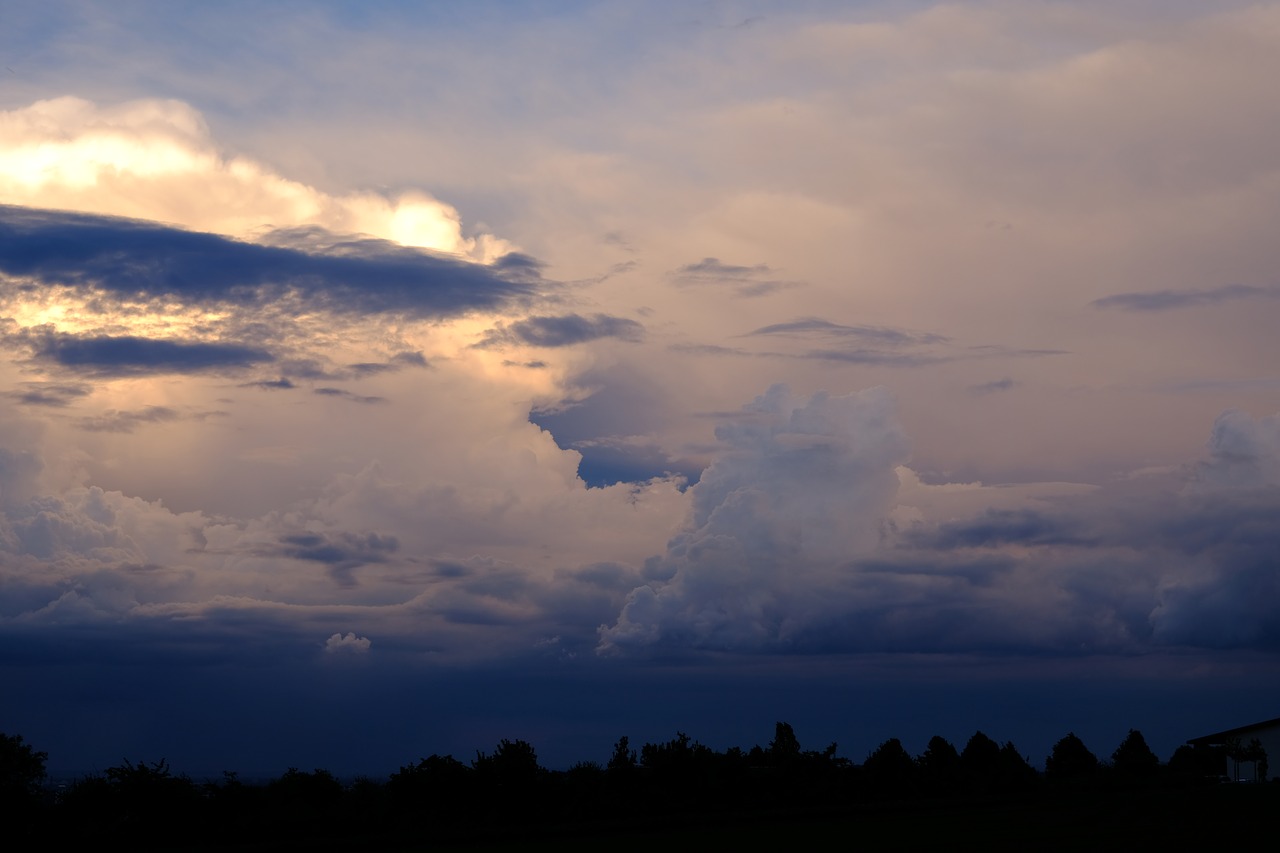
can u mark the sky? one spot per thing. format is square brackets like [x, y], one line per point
[379, 380]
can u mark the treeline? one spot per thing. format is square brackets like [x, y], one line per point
[507, 792]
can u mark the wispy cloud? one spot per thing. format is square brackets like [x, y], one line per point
[128, 421]
[1166, 300]
[744, 281]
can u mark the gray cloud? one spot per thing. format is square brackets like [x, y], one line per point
[1165, 300]
[800, 493]
[126, 258]
[347, 395]
[55, 394]
[129, 355]
[993, 387]
[562, 331]
[281, 384]
[813, 326]
[127, 421]
[744, 281]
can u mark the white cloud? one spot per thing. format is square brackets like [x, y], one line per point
[155, 159]
[799, 492]
[347, 644]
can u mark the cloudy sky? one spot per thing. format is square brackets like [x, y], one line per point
[386, 379]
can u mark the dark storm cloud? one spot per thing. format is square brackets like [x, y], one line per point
[995, 528]
[341, 553]
[605, 462]
[129, 355]
[1164, 300]
[127, 258]
[343, 549]
[562, 331]
[745, 281]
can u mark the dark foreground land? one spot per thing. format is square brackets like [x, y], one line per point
[1221, 817]
[984, 797]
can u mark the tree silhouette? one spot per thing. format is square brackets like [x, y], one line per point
[1071, 760]
[21, 770]
[784, 747]
[889, 769]
[939, 765]
[623, 758]
[21, 774]
[980, 761]
[1133, 759]
[513, 764]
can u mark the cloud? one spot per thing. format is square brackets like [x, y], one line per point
[541, 331]
[154, 159]
[1166, 300]
[347, 644]
[744, 281]
[130, 259]
[55, 394]
[800, 492]
[1244, 453]
[995, 386]
[128, 355]
[281, 384]
[113, 421]
[348, 395]
[813, 326]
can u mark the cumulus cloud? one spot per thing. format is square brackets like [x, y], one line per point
[799, 492]
[1244, 453]
[347, 644]
[154, 159]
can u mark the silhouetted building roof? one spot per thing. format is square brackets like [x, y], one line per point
[1242, 731]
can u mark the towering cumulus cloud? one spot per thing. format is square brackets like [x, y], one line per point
[800, 492]
[154, 159]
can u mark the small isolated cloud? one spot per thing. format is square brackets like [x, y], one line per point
[562, 331]
[993, 387]
[347, 395]
[880, 335]
[281, 384]
[744, 281]
[114, 421]
[399, 361]
[347, 644]
[874, 346]
[52, 394]
[1165, 300]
